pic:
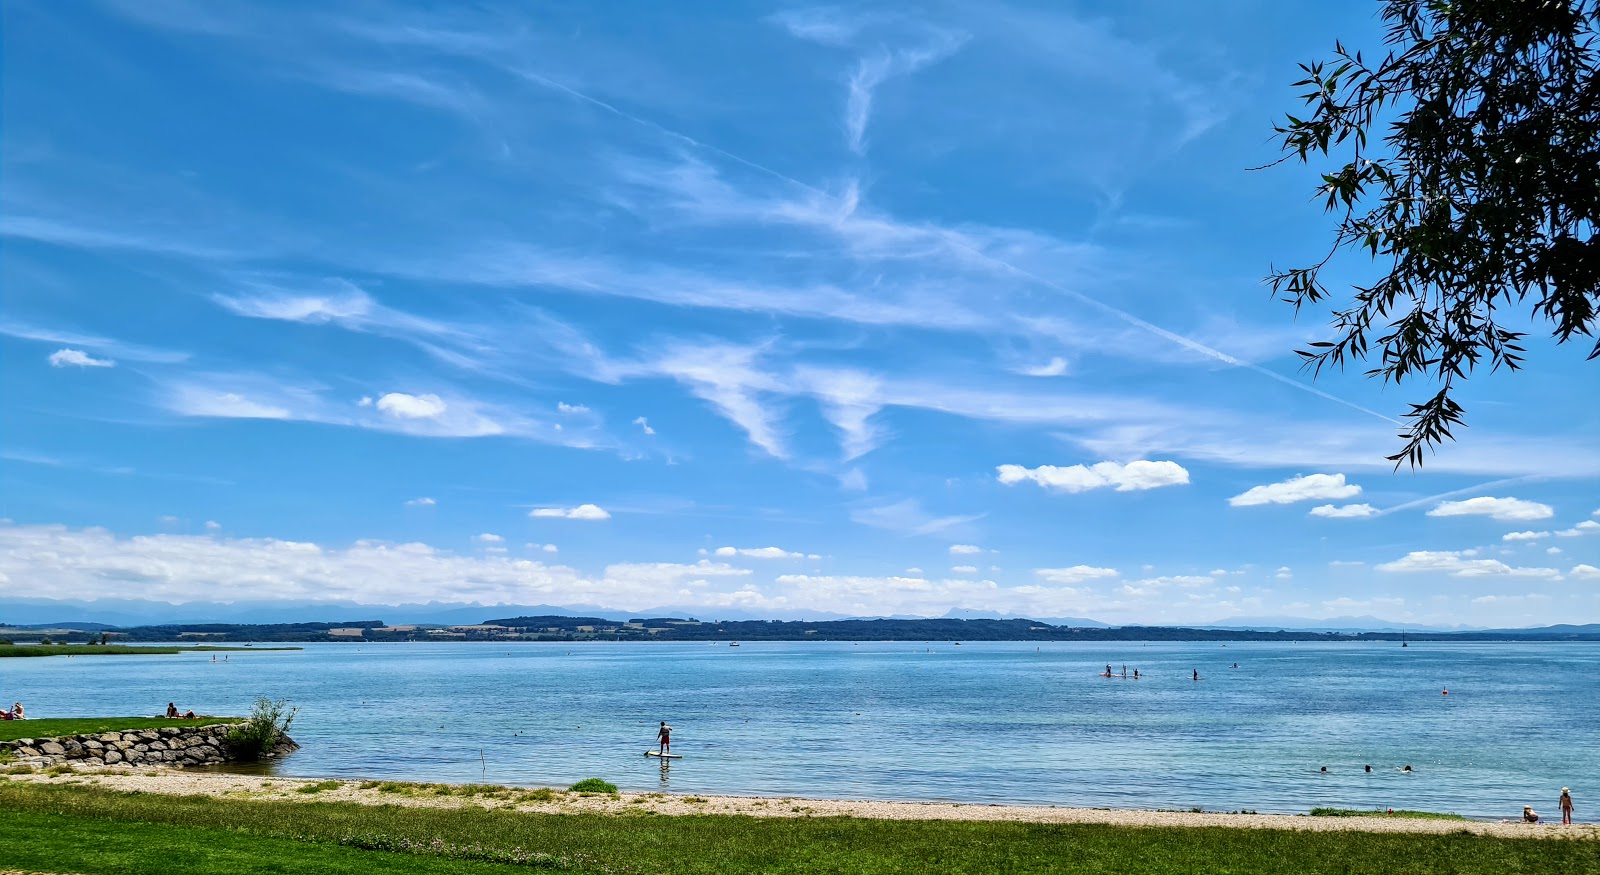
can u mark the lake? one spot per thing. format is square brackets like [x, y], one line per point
[981, 722]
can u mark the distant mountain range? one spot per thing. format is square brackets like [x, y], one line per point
[94, 615]
[1330, 624]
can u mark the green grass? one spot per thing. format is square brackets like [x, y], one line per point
[52, 727]
[91, 830]
[594, 785]
[43, 842]
[1379, 812]
[19, 650]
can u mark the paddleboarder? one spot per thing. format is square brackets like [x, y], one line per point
[664, 737]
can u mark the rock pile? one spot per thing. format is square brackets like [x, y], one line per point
[165, 746]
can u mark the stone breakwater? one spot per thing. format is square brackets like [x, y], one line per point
[164, 746]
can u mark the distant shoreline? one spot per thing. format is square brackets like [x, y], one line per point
[570, 629]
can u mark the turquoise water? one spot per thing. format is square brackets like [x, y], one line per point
[979, 722]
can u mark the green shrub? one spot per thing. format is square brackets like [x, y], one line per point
[593, 785]
[261, 732]
[318, 787]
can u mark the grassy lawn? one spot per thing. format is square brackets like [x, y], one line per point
[10, 730]
[41, 842]
[61, 827]
[17, 650]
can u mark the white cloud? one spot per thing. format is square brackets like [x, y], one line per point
[77, 358]
[644, 425]
[581, 512]
[963, 569]
[1458, 563]
[1524, 536]
[1584, 572]
[964, 549]
[488, 538]
[213, 525]
[907, 517]
[564, 407]
[46, 561]
[873, 71]
[1053, 368]
[401, 405]
[1348, 511]
[917, 571]
[1307, 488]
[195, 401]
[1587, 527]
[1079, 478]
[759, 552]
[1552, 551]
[1074, 574]
[1285, 573]
[421, 502]
[1503, 509]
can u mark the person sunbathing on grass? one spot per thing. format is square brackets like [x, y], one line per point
[16, 713]
[172, 713]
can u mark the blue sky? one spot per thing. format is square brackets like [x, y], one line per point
[750, 306]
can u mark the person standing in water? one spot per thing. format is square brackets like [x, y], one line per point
[1565, 805]
[1197, 674]
[664, 738]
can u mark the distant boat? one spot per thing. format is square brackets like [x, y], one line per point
[958, 643]
[733, 644]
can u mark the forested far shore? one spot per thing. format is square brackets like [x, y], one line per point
[565, 628]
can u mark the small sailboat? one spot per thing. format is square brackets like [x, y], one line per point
[733, 644]
[1403, 640]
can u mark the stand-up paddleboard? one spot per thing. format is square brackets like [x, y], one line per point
[665, 756]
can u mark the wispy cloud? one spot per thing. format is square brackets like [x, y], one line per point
[908, 517]
[103, 345]
[875, 69]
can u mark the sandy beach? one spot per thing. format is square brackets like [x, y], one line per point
[182, 783]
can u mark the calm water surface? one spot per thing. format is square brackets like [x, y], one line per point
[980, 722]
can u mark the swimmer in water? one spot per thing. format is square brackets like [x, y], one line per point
[1197, 674]
[1369, 770]
[1406, 769]
[1324, 770]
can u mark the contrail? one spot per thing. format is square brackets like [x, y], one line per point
[957, 243]
[1454, 492]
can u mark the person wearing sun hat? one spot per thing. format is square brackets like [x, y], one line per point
[1566, 805]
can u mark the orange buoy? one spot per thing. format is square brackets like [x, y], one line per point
[1445, 693]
